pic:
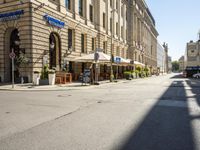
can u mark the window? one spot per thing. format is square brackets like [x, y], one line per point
[118, 52]
[111, 3]
[70, 38]
[82, 43]
[122, 32]
[91, 13]
[116, 4]
[104, 20]
[105, 46]
[117, 29]
[110, 24]
[93, 44]
[126, 14]
[68, 4]
[123, 54]
[80, 9]
[126, 34]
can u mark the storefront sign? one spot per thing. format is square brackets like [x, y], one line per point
[117, 59]
[54, 22]
[11, 15]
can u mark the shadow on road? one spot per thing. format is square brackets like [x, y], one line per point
[167, 126]
[194, 84]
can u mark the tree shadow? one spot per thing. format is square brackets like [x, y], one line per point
[178, 76]
[167, 126]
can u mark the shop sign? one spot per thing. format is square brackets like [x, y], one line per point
[117, 59]
[54, 22]
[11, 15]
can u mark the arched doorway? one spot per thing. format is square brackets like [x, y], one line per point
[54, 51]
[12, 42]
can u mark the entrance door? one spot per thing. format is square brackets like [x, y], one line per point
[54, 52]
[14, 45]
[12, 42]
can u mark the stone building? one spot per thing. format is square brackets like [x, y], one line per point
[165, 45]
[161, 62]
[55, 32]
[181, 63]
[142, 35]
[192, 54]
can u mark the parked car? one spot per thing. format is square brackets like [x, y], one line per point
[196, 75]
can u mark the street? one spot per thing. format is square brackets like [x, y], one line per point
[156, 113]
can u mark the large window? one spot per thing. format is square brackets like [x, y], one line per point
[83, 43]
[93, 44]
[117, 31]
[104, 20]
[70, 38]
[105, 46]
[111, 25]
[68, 4]
[91, 13]
[122, 32]
[80, 8]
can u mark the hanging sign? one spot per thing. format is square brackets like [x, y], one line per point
[11, 15]
[54, 22]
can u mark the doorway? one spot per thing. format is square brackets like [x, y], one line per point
[54, 51]
[12, 42]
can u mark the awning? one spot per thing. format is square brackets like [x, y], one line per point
[138, 63]
[102, 57]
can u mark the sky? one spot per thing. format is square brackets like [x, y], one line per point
[177, 22]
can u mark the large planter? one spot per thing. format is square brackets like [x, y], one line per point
[36, 78]
[43, 82]
[52, 77]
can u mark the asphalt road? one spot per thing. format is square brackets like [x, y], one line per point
[158, 113]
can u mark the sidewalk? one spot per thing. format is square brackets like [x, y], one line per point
[58, 87]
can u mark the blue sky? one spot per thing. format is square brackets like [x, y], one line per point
[177, 22]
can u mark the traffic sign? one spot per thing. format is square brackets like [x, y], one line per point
[12, 55]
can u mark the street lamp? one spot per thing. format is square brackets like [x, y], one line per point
[111, 54]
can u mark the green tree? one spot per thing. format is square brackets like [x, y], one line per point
[175, 66]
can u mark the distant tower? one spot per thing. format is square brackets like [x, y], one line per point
[199, 35]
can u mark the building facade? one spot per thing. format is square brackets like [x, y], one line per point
[142, 35]
[181, 63]
[169, 64]
[165, 45]
[192, 54]
[55, 32]
[161, 62]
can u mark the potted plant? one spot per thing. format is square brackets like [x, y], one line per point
[128, 75]
[51, 77]
[44, 76]
[22, 61]
[36, 77]
[136, 73]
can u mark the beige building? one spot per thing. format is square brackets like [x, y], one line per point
[55, 32]
[181, 64]
[192, 54]
[161, 56]
[142, 35]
